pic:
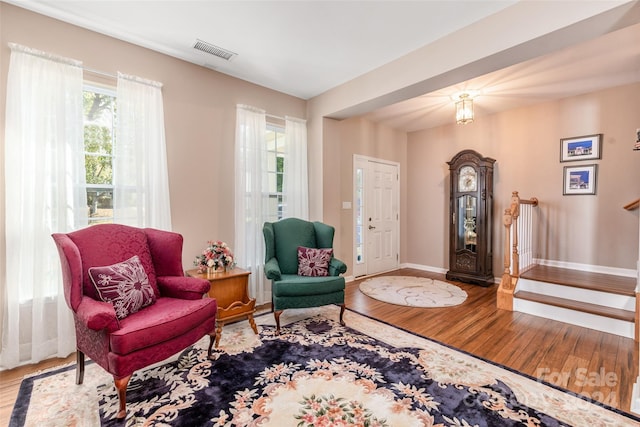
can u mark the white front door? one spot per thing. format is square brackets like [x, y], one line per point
[376, 213]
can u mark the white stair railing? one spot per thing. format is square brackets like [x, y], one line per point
[518, 250]
[523, 249]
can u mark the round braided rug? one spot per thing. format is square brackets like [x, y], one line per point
[413, 291]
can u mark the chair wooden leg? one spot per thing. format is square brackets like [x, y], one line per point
[252, 322]
[342, 307]
[212, 339]
[121, 386]
[277, 314]
[79, 367]
[219, 326]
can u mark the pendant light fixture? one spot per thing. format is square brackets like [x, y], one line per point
[464, 109]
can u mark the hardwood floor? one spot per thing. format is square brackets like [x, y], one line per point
[595, 364]
[10, 384]
[592, 363]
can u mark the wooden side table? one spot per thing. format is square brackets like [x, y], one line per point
[231, 291]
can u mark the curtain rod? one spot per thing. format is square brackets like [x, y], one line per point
[275, 117]
[285, 118]
[74, 62]
[122, 75]
[100, 73]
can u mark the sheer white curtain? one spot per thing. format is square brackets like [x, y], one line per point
[44, 194]
[140, 177]
[295, 181]
[251, 193]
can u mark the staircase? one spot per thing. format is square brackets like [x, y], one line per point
[603, 302]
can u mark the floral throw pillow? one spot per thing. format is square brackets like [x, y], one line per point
[313, 262]
[125, 285]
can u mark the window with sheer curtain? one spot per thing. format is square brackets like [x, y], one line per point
[44, 185]
[140, 175]
[119, 189]
[270, 184]
[46, 190]
[276, 206]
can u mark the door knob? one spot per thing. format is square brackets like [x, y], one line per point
[371, 227]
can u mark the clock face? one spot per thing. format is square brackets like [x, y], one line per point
[468, 179]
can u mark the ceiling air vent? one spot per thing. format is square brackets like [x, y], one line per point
[227, 55]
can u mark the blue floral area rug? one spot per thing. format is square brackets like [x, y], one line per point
[317, 373]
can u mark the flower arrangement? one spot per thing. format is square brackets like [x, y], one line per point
[216, 256]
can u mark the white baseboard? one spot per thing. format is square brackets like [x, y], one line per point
[352, 278]
[638, 277]
[435, 269]
[635, 397]
[404, 265]
[625, 272]
[424, 268]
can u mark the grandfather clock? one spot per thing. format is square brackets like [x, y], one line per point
[470, 221]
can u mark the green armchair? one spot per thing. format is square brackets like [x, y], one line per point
[288, 288]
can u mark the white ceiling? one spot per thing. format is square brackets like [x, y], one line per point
[304, 48]
[301, 48]
[608, 61]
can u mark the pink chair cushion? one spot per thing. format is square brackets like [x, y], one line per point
[125, 285]
[166, 319]
[121, 365]
[313, 262]
[110, 244]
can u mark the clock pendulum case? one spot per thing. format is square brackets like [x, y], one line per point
[471, 219]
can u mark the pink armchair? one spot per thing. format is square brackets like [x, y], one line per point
[177, 318]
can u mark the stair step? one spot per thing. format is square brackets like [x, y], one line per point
[589, 296]
[600, 310]
[582, 279]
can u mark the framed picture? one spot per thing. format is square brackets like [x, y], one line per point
[580, 179]
[581, 148]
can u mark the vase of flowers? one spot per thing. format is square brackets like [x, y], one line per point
[216, 257]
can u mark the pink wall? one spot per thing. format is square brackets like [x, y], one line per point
[200, 121]
[584, 229]
[592, 230]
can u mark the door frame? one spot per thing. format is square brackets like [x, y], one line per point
[360, 269]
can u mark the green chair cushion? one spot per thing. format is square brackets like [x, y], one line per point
[283, 303]
[294, 285]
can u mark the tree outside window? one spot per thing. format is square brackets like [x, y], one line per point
[99, 137]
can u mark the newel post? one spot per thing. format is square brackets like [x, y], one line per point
[505, 291]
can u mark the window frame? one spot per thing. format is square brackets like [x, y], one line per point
[279, 151]
[108, 91]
